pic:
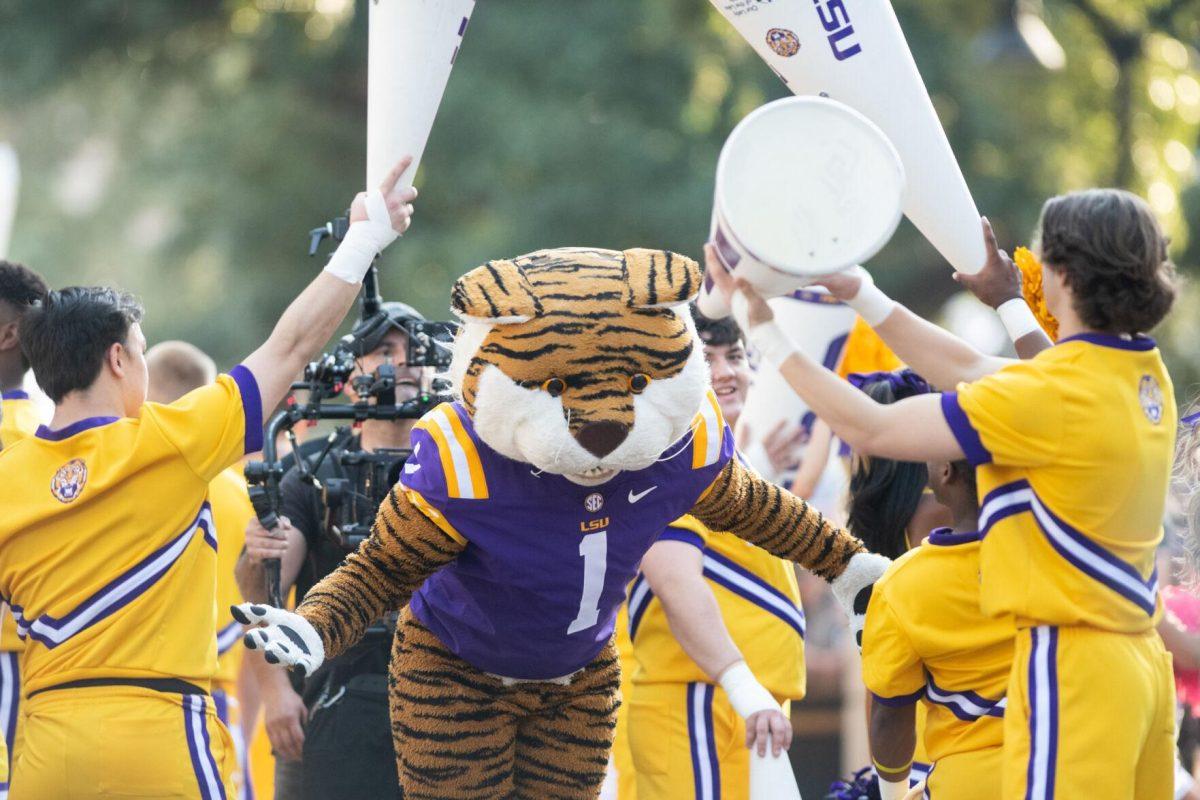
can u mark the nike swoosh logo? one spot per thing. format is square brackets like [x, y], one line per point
[633, 498]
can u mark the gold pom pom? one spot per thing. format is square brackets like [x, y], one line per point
[1031, 287]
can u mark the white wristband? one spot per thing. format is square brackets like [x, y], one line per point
[892, 790]
[1018, 318]
[772, 343]
[871, 303]
[364, 240]
[746, 694]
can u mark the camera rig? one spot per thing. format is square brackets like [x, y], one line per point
[370, 475]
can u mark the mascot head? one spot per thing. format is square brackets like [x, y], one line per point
[580, 362]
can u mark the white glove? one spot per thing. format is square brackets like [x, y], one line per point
[286, 638]
[364, 240]
[853, 588]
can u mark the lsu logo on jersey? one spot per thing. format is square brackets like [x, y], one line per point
[68, 482]
[1151, 397]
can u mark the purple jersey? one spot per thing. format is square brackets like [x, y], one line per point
[535, 593]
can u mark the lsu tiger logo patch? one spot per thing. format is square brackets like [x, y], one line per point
[784, 42]
[1151, 398]
[67, 484]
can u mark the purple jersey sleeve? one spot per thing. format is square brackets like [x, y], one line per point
[423, 472]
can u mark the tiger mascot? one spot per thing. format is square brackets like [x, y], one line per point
[585, 425]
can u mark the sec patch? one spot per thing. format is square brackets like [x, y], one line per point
[1151, 397]
[67, 484]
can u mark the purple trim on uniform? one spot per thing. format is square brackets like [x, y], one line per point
[252, 406]
[14, 394]
[1138, 343]
[697, 786]
[901, 700]
[1151, 584]
[1052, 668]
[1033, 713]
[833, 353]
[75, 427]
[10, 699]
[674, 534]
[220, 705]
[964, 704]
[713, 763]
[212, 762]
[25, 628]
[947, 537]
[643, 602]
[227, 637]
[745, 574]
[194, 747]
[964, 431]
[810, 296]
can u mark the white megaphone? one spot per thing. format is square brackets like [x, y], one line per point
[771, 778]
[10, 182]
[805, 186]
[855, 52]
[412, 48]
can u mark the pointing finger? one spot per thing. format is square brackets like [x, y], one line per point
[393, 177]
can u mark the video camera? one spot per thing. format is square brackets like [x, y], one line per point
[365, 476]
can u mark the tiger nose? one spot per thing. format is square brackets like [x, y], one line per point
[601, 438]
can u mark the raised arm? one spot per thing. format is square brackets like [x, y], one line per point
[939, 356]
[405, 548]
[911, 430]
[376, 219]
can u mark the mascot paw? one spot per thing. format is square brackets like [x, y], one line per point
[853, 588]
[284, 638]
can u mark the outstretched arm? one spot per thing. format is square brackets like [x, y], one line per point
[404, 549]
[939, 356]
[742, 502]
[376, 219]
[913, 429]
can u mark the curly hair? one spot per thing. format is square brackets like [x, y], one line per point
[1110, 251]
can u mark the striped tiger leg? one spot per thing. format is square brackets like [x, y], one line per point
[743, 503]
[564, 744]
[453, 732]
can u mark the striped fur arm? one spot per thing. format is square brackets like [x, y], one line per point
[404, 549]
[742, 502]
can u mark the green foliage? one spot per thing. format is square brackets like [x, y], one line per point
[183, 150]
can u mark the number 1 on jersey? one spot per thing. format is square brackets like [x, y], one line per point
[594, 549]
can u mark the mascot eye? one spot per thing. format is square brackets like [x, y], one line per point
[639, 382]
[554, 387]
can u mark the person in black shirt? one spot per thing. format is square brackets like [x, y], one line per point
[330, 732]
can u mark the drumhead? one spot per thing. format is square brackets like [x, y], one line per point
[809, 186]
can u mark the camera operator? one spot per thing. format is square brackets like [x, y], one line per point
[330, 732]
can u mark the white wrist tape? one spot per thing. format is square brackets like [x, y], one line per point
[1018, 318]
[746, 694]
[772, 343]
[871, 303]
[365, 240]
[889, 790]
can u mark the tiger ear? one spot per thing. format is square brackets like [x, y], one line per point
[498, 292]
[660, 278]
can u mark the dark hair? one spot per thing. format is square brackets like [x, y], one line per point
[724, 331]
[1111, 252]
[967, 473]
[20, 287]
[884, 493]
[66, 335]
